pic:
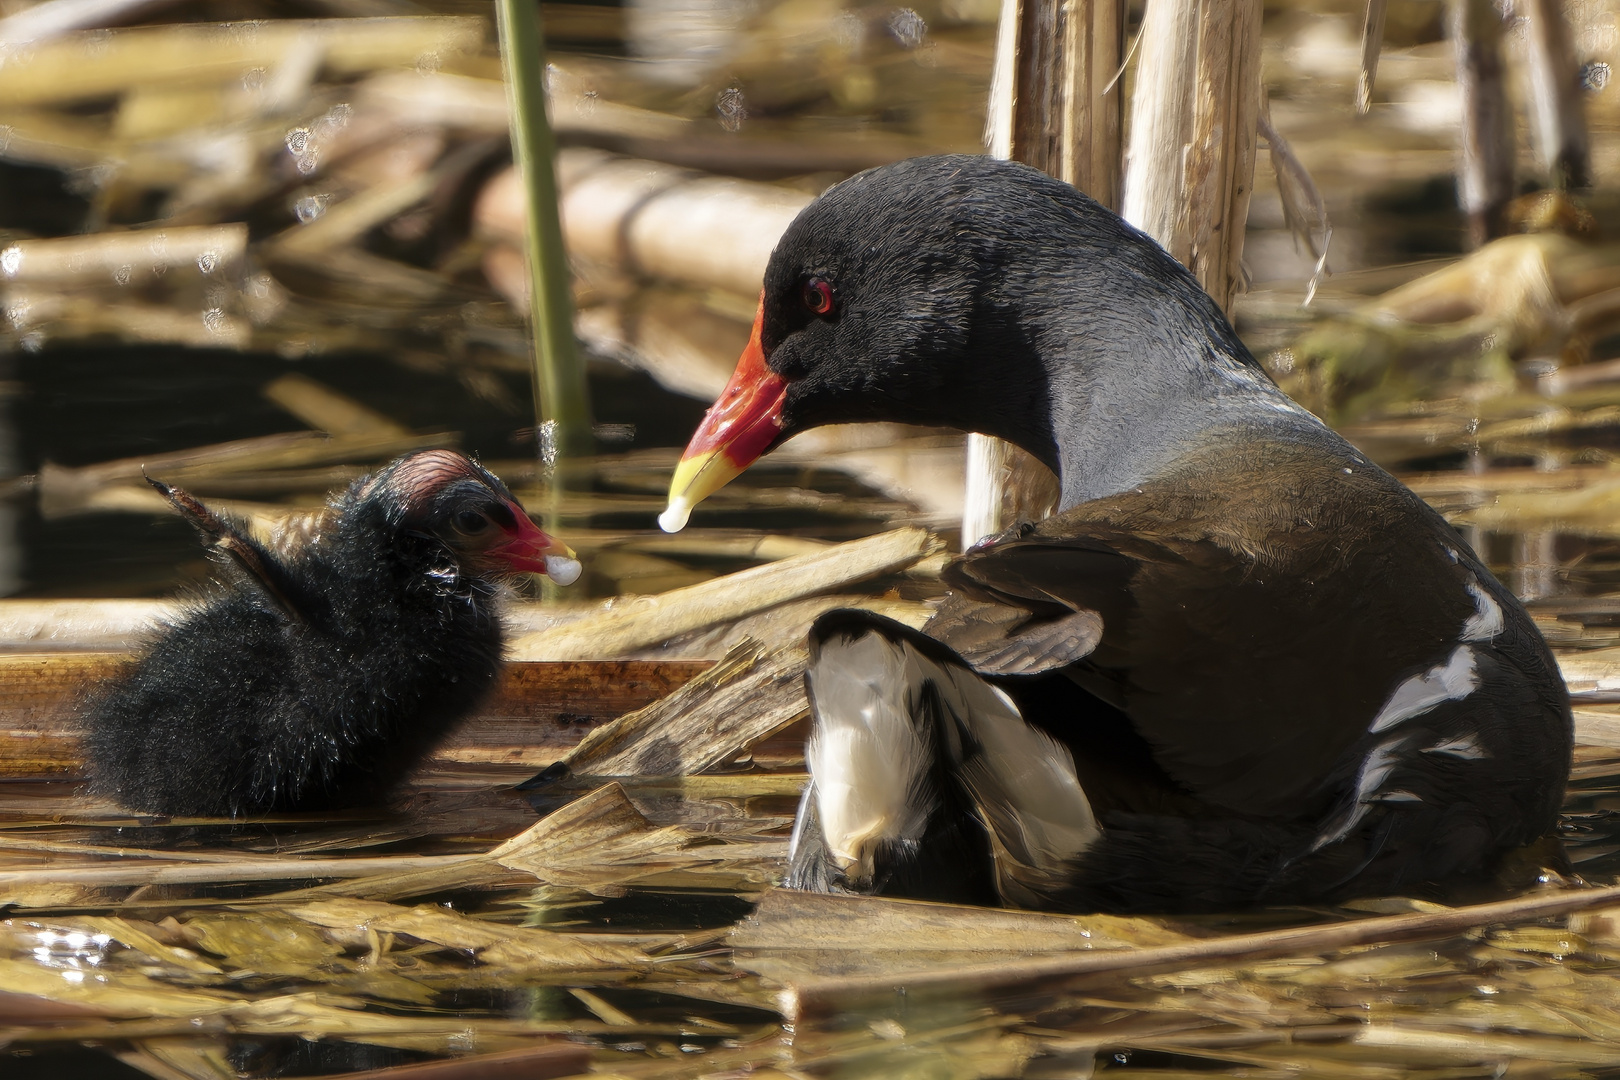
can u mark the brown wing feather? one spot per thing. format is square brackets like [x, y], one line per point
[1008, 640]
[1248, 677]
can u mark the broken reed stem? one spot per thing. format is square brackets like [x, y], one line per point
[1372, 44]
[1190, 164]
[1054, 104]
[821, 996]
[559, 377]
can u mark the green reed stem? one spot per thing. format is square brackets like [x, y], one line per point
[561, 402]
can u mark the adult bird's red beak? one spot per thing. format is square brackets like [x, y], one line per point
[526, 548]
[741, 425]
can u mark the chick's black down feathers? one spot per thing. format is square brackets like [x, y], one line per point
[316, 679]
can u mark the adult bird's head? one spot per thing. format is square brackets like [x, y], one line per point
[892, 297]
[448, 498]
[983, 295]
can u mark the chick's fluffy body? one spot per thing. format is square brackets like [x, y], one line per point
[321, 697]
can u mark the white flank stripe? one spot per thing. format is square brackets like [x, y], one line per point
[1486, 622]
[1375, 769]
[1451, 681]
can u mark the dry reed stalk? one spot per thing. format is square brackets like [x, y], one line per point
[53, 18]
[468, 103]
[493, 943]
[794, 935]
[675, 336]
[85, 66]
[602, 842]
[1304, 209]
[287, 450]
[1557, 120]
[1220, 159]
[1190, 163]
[528, 1063]
[349, 220]
[1061, 110]
[119, 625]
[632, 623]
[123, 258]
[745, 698]
[1004, 484]
[1054, 104]
[641, 217]
[1485, 172]
[308, 1016]
[1161, 124]
[70, 315]
[66, 491]
[14, 883]
[324, 409]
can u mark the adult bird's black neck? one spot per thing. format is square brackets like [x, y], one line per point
[1135, 365]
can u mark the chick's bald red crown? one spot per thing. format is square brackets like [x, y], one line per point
[483, 520]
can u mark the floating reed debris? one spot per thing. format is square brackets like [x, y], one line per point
[529, 1063]
[633, 623]
[538, 712]
[747, 697]
[822, 996]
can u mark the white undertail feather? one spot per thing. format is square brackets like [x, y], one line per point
[870, 751]
[1024, 784]
[868, 759]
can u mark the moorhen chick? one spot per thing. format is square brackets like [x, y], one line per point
[1241, 664]
[316, 679]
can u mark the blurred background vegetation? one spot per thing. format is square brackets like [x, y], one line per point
[244, 219]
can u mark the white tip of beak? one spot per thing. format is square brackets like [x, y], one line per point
[562, 569]
[674, 519]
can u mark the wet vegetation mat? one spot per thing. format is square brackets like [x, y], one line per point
[617, 914]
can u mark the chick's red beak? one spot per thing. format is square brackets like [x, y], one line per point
[741, 425]
[526, 549]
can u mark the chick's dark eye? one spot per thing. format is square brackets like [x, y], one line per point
[470, 521]
[818, 296]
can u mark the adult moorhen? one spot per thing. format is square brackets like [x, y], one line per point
[315, 679]
[1241, 664]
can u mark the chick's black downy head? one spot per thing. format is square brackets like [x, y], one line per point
[455, 504]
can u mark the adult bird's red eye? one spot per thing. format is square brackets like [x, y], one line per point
[818, 296]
